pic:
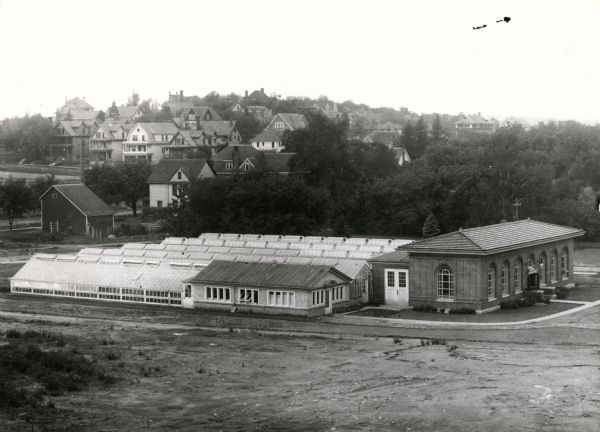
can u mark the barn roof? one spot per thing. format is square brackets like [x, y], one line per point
[86, 201]
[492, 238]
[266, 274]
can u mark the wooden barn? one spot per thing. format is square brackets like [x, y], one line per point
[75, 209]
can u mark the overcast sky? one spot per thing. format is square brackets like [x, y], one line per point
[424, 55]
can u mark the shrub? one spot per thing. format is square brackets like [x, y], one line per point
[509, 304]
[526, 302]
[13, 334]
[560, 293]
[424, 308]
[467, 311]
[130, 229]
[112, 355]
[433, 341]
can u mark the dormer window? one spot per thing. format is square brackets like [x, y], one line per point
[229, 165]
[279, 125]
[178, 175]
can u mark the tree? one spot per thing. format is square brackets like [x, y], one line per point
[248, 127]
[431, 226]
[437, 131]
[421, 138]
[134, 99]
[101, 116]
[41, 185]
[408, 139]
[133, 177]
[15, 199]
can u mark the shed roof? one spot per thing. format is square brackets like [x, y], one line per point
[83, 198]
[491, 238]
[267, 274]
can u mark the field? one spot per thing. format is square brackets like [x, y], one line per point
[178, 374]
[186, 370]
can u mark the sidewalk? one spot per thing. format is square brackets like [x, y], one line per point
[406, 323]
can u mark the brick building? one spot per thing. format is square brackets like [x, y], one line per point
[476, 268]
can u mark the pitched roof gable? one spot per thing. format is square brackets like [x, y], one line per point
[86, 201]
[164, 171]
[267, 274]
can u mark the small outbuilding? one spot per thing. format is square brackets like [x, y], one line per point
[268, 287]
[75, 209]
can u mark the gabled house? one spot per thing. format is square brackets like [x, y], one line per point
[184, 142]
[71, 140]
[474, 124]
[190, 118]
[146, 141]
[216, 133]
[241, 159]
[259, 112]
[178, 102]
[76, 109]
[271, 137]
[257, 97]
[171, 179]
[127, 115]
[75, 209]
[106, 145]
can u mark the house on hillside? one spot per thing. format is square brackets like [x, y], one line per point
[171, 179]
[71, 140]
[75, 209]
[218, 133]
[127, 115]
[270, 139]
[477, 268]
[178, 102]
[257, 97]
[146, 141]
[76, 109]
[474, 124]
[106, 145]
[240, 159]
[268, 287]
[190, 118]
[259, 112]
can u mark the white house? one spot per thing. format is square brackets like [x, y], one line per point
[171, 179]
[270, 139]
[146, 141]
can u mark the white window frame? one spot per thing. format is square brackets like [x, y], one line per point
[248, 296]
[445, 276]
[319, 298]
[397, 282]
[281, 298]
[216, 294]
[338, 294]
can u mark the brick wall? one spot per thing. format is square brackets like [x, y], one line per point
[471, 275]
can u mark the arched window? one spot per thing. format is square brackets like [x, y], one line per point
[531, 262]
[504, 278]
[564, 263]
[445, 282]
[491, 281]
[518, 275]
[543, 268]
[553, 263]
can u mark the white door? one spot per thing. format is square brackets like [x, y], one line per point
[396, 287]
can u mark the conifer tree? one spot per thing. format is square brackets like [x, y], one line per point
[431, 226]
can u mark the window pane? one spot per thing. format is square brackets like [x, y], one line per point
[391, 282]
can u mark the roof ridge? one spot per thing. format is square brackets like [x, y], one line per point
[460, 231]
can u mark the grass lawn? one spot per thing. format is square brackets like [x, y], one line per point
[587, 254]
[502, 315]
[583, 293]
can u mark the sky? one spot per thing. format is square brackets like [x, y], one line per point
[423, 55]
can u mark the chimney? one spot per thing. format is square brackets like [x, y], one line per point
[181, 93]
[262, 89]
[246, 95]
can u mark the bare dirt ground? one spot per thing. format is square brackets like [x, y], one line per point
[173, 376]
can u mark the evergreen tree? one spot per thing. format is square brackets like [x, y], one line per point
[421, 138]
[437, 132]
[431, 227]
